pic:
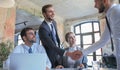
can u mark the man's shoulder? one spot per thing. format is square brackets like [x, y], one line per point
[39, 47]
[36, 45]
[114, 11]
[19, 46]
[116, 7]
[43, 25]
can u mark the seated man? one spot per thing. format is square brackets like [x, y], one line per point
[66, 61]
[29, 46]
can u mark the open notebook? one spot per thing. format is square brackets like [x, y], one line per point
[24, 61]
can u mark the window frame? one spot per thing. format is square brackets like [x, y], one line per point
[94, 55]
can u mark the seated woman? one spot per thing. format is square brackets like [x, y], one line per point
[66, 61]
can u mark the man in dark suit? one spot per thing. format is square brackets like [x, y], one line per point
[49, 37]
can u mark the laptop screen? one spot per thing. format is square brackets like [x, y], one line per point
[24, 61]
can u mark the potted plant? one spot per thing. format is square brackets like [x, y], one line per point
[5, 49]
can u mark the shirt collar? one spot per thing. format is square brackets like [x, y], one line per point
[27, 47]
[48, 22]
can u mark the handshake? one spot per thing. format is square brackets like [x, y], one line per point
[74, 55]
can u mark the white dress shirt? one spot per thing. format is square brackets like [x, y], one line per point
[36, 48]
[49, 24]
[113, 16]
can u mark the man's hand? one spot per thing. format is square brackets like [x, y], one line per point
[74, 55]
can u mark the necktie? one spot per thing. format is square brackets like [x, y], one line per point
[30, 50]
[53, 34]
[108, 25]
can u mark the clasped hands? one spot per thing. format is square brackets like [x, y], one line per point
[74, 55]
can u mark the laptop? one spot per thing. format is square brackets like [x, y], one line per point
[22, 61]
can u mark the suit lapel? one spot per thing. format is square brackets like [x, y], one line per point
[46, 26]
[54, 23]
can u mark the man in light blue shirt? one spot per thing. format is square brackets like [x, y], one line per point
[29, 46]
[113, 17]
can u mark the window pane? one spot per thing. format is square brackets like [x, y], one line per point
[90, 54]
[86, 28]
[98, 52]
[98, 58]
[96, 27]
[77, 30]
[16, 39]
[90, 59]
[77, 39]
[19, 37]
[86, 46]
[79, 46]
[20, 41]
[87, 39]
[97, 36]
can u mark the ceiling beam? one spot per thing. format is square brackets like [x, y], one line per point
[84, 17]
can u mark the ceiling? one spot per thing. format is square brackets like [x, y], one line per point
[25, 19]
[66, 9]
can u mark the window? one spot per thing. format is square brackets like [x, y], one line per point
[88, 33]
[20, 41]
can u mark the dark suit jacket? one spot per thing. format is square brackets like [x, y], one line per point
[46, 38]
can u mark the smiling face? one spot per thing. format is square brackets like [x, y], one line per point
[71, 39]
[49, 13]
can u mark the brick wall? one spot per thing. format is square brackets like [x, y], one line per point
[7, 24]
